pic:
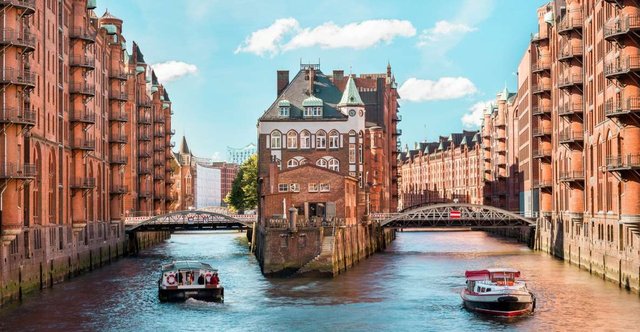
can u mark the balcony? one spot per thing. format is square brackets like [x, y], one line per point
[18, 116]
[144, 119]
[541, 153]
[84, 145]
[118, 116]
[28, 6]
[159, 119]
[398, 132]
[159, 133]
[143, 153]
[83, 183]
[118, 189]
[629, 162]
[570, 22]
[570, 109]
[540, 131]
[158, 176]
[14, 76]
[144, 137]
[145, 103]
[397, 118]
[624, 107]
[541, 88]
[144, 170]
[118, 95]
[541, 65]
[84, 34]
[85, 89]
[171, 144]
[569, 52]
[569, 81]
[621, 26]
[571, 137]
[171, 132]
[542, 184]
[572, 176]
[17, 171]
[622, 66]
[117, 138]
[24, 40]
[169, 180]
[540, 110]
[538, 37]
[83, 61]
[118, 74]
[158, 148]
[144, 194]
[158, 162]
[118, 159]
[86, 117]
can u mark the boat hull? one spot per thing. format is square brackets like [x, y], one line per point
[500, 305]
[202, 294]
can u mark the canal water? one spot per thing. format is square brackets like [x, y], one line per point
[413, 285]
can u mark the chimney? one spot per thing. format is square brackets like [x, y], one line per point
[338, 75]
[312, 79]
[283, 80]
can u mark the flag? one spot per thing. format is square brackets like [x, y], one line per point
[454, 214]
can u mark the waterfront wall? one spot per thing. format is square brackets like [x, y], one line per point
[606, 259]
[22, 273]
[318, 251]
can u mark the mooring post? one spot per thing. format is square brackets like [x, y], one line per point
[293, 215]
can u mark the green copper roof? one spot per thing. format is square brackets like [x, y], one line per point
[139, 69]
[154, 89]
[312, 101]
[111, 29]
[284, 103]
[504, 95]
[165, 105]
[350, 96]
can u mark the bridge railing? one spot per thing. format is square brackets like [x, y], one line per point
[281, 223]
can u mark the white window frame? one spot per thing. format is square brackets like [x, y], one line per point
[284, 111]
[321, 137]
[292, 163]
[334, 139]
[334, 165]
[305, 139]
[292, 141]
[294, 187]
[313, 187]
[283, 187]
[325, 188]
[321, 163]
[317, 111]
[352, 153]
[276, 137]
[308, 112]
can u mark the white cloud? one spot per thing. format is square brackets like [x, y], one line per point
[353, 35]
[443, 30]
[357, 35]
[172, 70]
[217, 156]
[473, 118]
[444, 88]
[267, 40]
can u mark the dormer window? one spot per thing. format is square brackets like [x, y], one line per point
[312, 107]
[284, 106]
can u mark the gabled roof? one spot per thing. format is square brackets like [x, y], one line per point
[107, 14]
[298, 90]
[184, 148]
[154, 78]
[351, 96]
[166, 95]
[139, 55]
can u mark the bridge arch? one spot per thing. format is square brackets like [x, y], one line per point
[455, 215]
[191, 220]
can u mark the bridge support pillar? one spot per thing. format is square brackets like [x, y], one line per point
[293, 222]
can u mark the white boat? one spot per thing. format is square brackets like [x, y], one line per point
[181, 280]
[497, 292]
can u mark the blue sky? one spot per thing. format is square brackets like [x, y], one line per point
[220, 57]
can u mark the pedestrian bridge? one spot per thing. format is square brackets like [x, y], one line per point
[453, 215]
[189, 220]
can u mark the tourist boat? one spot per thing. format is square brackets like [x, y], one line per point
[181, 280]
[497, 292]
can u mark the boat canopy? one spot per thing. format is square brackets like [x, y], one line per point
[187, 265]
[491, 273]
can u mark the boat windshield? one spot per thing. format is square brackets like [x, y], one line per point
[503, 278]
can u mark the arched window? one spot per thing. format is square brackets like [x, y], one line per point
[276, 140]
[321, 163]
[321, 139]
[334, 165]
[305, 140]
[292, 139]
[292, 163]
[303, 161]
[334, 139]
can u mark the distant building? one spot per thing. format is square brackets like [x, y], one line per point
[240, 155]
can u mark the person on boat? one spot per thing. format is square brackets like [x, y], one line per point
[179, 278]
[201, 279]
[215, 280]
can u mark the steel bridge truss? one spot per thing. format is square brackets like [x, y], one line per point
[455, 215]
[190, 220]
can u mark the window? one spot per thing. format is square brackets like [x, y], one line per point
[321, 139]
[317, 111]
[283, 187]
[308, 111]
[303, 161]
[292, 163]
[334, 139]
[324, 187]
[276, 140]
[305, 140]
[334, 165]
[294, 187]
[313, 187]
[284, 111]
[292, 140]
[352, 153]
[321, 163]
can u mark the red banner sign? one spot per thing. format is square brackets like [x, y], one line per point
[453, 214]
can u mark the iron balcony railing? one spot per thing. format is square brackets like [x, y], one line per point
[144, 169]
[624, 106]
[537, 37]
[144, 119]
[570, 136]
[541, 88]
[118, 159]
[10, 75]
[17, 171]
[169, 180]
[542, 64]
[118, 189]
[84, 144]
[29, 5]
[83, 183]
[144, 194]
[159, 119]
[144, 103]
[541, 153]
[622, 65]
[569, 109]
[82, 33]
[171, 132]
[18, 38]
[569, 80]
[18, 116]
[570, 51]
[159, 133]
[158, 161]
[144, 137]
[537, 183]
[570, 176]
[571, 21]
[624, 162]
[83, 89]
[171, 144]
[158, 148]
[541, 131]
[117, 138]
[621, 25]
[85, 61]
[118, 74]
[83, 117]
[144, 153]
[158, 176]
[118, 116]
[118, 95]
[398, 132]
[540, 110]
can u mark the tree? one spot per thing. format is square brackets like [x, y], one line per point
[244, 190]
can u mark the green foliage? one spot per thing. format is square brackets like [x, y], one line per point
[244, 190]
